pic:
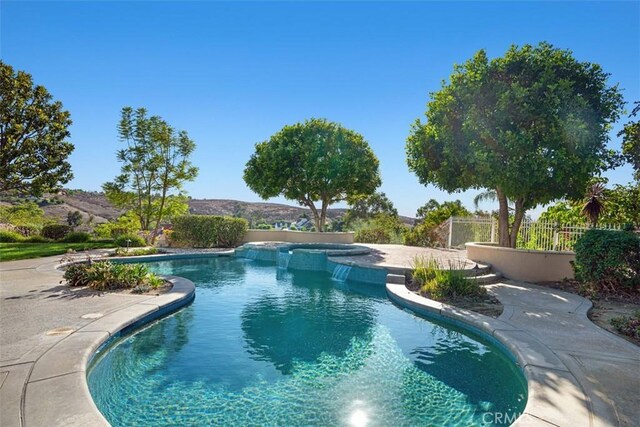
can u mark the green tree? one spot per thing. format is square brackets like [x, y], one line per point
[564, 212]
[23, 214]
[531, 126]
[74, 218]
[155, 163]
[631, 141]
[33, 129]
[435, 213]
[366, 207]
[314, 161]
[622, 205]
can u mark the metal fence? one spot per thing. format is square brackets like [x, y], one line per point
[539, 235]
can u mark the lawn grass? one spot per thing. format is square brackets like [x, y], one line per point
[15, 251]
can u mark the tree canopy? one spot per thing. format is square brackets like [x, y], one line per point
[33, 129]
[155, 163]
[531, 125]
[631, 141]
[315, 161]
[434, 213]
[367, 207]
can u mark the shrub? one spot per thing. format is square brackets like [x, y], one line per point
[264, 227]
[372, 235]
[36, 239]
[135, 252]
[130, 240]
[77, 237]
[442, 283]
[127, 223]
[381, 228]
[207, 231]
[422, 235]
[55, 231]
[10, 237]
[104, 275]
[74, 218]
[608, 261]
[27, 230]
[628, 325]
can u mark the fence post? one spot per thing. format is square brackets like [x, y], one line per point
[556, 239]
[450, 232]
[493, 230]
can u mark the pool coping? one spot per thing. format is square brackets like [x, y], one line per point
[57, 392]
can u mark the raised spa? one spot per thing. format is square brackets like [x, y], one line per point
[263, 345]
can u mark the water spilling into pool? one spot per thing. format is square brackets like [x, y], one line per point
[297, 348]
[283, 259]
[341, 272]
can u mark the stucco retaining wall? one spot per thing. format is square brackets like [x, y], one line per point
[291, 236]
[523, 264]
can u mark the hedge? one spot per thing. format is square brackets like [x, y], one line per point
[130, 241]
[608, 260]
[208, 231]
[55, 231]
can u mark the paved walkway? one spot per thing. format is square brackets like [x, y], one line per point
[403, 256]
[606, 367]
[36, 312]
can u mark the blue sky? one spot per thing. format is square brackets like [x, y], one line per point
[232, 74]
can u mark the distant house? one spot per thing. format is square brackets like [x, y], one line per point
[303, 224]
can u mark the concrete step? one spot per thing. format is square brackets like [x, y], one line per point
[397, 270]
[477, 270]
[486, 279]
[395, 278]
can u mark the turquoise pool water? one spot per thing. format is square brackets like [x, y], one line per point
[262, 346]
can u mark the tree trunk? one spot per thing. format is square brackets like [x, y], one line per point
[154, 235]
[314, 211]
[517, 221]
[503, 220]
[323, 215]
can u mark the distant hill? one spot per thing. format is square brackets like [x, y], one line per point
[96, 204]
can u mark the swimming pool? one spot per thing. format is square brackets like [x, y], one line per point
[267, 346]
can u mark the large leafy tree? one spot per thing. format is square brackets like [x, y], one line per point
[631, 141]
[313, 162]
[532, 126]
[155, 164]
[435, 213]
[367, 207]
[33, 132]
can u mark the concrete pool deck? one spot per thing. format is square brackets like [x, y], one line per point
[579, 374]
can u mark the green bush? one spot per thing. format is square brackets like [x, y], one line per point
[36, 239]
[10, 237]
[441, 283]
[27, 230]
[104, 275]
[77, 237]
[207, 231]
[55, 231]
[421, 235]
[130, 240]
[263, 227]
[372, 235]
[608, 261]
